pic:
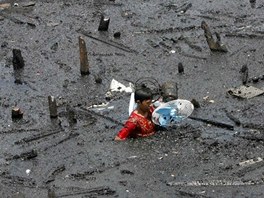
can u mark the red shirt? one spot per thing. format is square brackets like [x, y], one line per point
[137, 126]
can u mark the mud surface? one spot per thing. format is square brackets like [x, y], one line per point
[77, 157]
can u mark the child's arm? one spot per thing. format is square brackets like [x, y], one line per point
[126, 131]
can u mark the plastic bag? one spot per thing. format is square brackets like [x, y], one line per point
[172, 112]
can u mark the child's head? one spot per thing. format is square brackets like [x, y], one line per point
[143, 93]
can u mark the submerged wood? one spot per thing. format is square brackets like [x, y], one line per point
[104, 23]
[53, 107]
[213, 45]
[18, 61]
[84, 65]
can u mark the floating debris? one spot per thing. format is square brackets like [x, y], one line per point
[245, 92]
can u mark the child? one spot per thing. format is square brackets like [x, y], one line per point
[139, 123]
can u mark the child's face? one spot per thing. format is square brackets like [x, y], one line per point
[145, 104]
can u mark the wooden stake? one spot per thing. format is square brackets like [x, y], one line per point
[104, 23]
[244, 71]
[17, 113]
[83, 57]
[18, 61]
[180, 68]
[213, 45]
[53, 107]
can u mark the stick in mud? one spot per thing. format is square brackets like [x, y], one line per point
[104, 23]
[18, 61]
[53, 107]
[16, 113]
[244, 71]
[180, 68]
[213, 45]
[215, 123]
[83, 57]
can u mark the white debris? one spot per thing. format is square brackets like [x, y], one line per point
[250, 162]
[117, 86]
[28, 171]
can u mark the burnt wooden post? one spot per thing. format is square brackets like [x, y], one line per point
[104, 23]
[180, 68]
[213, 45]
[244, 71]
[18, 61]
[52, 107]
[84, 65]
[17, 113]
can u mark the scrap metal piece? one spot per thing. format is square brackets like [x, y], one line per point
[245, 92]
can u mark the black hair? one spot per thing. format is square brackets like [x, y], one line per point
[143, 93]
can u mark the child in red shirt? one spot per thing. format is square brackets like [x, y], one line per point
[139, 123]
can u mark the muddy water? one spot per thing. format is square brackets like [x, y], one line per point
[80, 159]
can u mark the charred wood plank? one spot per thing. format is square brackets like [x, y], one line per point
[92, 192]
[244, 170]
[233, 118]
[36, 137]
[213, 45]
[24, 19]
[92, 113]
[215, 123]
[54, 173]
[111, 43]
[18, 181]
[26, 155]
[253, 126]
[70, 136]
[245, 35]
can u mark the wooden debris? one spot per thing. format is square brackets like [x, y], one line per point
[117, 35]
[111, 43]
[28, 4]
[213, 45]
[92, 192]
[195, 103]
[36, 137]
[245, 35]
[19, 19]
[53, 173]
[215, 123]
[104, 23]
[245, 91]
[244, 71]
[53, 107]
[17, 113]
[249, 168]
[70, 136]
[11, 180]
[184, 7]
[233, 118]
[84, 65]
[98, 79]
[27, 155]
[18, 61]
[180, 68]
